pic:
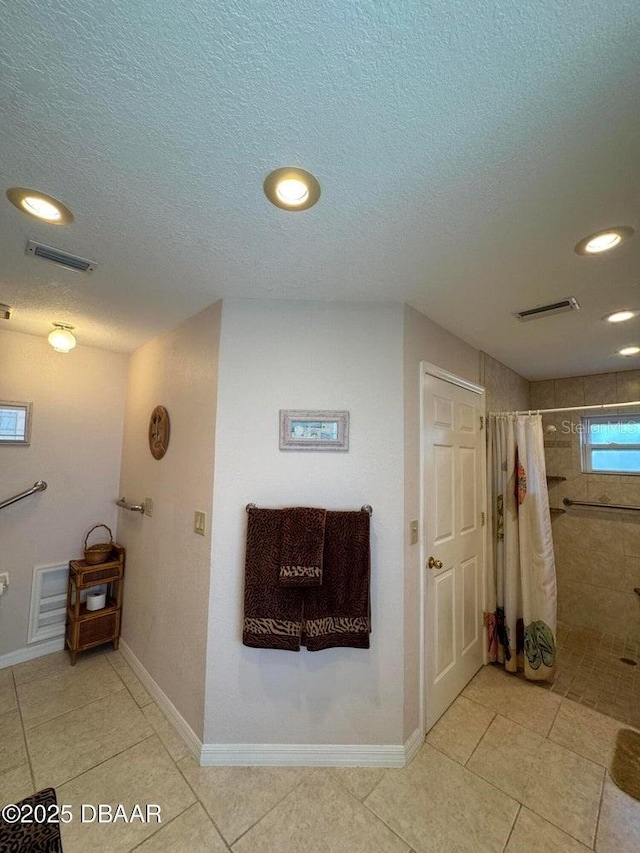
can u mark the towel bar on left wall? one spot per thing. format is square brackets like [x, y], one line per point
[132, 507]
[40, 486]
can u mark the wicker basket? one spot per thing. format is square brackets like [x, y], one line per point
[99, 553]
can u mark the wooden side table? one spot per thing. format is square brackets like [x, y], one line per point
[88, 628]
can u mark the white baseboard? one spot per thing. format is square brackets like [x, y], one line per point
[301, 755]
[274, 755]
[413, 745]
[164, 703]
[310, 755]
[248, 754]
[31, 652]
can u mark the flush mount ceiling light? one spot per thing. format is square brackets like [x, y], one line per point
[61, 338]
[40, 205]
[604, 241]
[291, 188]
[620, 316]
[629, 351]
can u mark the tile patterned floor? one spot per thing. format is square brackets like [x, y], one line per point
[510, 768]
[590, 671]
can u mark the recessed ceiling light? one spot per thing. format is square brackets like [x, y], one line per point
[620, 316]
[603, 241]
[40, 205]
[629, 351]
[291, 188]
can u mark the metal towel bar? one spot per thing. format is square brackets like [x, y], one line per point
[569, 502]
[132, 507]
[366, 508]
[40, 486]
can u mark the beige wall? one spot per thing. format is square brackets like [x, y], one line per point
[423, 340]
[307, 355]
[76, 442]
[597, 551]
[168, 565]
[366, 359]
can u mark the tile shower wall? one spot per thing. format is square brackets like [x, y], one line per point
[597, 551]
[505, 390]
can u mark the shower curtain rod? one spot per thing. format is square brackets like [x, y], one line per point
[567, 409]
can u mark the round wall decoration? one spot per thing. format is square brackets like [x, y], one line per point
[159, 431]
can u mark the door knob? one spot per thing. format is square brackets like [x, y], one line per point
[434, 564]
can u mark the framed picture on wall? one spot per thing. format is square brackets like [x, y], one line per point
[314, 429]
[15, 423]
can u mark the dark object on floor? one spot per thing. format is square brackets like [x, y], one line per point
[41, 835]
[625, 764]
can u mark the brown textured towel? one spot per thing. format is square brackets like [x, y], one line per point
[272, 613]
[302, 543]
[338, 613]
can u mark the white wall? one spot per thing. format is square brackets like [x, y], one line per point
[424, 340]
[76, 441]
[301, 355]
[168, 565]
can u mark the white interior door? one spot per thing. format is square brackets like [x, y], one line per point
[453, 489]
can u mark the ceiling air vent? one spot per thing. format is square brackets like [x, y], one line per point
[569, 304]
[57, 256]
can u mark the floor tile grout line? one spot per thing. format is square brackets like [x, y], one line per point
[193, 791]
[172, 729]
[482, 779]
[94, 656]
[513, 799]
[553, 722]
[346, 787]
[295, 788]
[160, 828]
[383, 821]
[24, 734]
[604, 783]
[115, 669]
[480, 739]
[513, 826]
[154, 734]
[529, 806]
[531, 809]
[210, 816]
[349, 794]
[478, 776]
[104, 761]
[73, 710]
[149, 737]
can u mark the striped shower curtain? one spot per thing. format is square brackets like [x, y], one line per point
[521, 595]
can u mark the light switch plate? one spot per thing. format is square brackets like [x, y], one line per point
[199, 522]
[413, 533]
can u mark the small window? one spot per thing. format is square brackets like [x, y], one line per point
[611, 444]
[15, 423]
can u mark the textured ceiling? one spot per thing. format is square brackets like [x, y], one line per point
[463, 148]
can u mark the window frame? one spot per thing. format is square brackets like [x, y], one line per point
[587, 447]
[25, 440]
